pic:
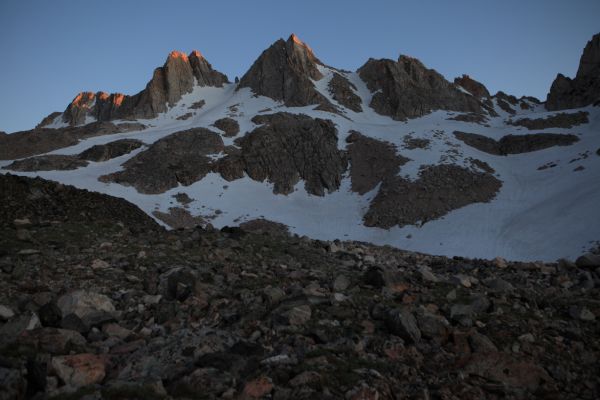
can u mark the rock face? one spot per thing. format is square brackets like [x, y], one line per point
[515, 144]
[288, 148]
[36, 141]
[407, 89]
[584, 89]
[103, 152]
[57, 202]
[178, 158]
[284, 71]
[228, 125]
[343, 92]
[560, 120]
[48, 119]
[50, 162]
[438, 190]
[371, 161]
[169, 82]
[477, 89]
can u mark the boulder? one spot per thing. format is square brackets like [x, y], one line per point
[588, 260]
[401, 322]
[228, 125]
[80, 369]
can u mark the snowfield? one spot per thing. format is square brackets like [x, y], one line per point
[537, 215]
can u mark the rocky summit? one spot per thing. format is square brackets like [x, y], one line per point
[304, 232]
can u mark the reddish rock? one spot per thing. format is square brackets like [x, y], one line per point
[258, 388]
[80, 369]
[175, 78]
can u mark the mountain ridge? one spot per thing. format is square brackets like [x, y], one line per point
[391, 154]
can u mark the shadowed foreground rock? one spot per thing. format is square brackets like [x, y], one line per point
[238, 314]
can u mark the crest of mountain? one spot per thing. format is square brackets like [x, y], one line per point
[407, 89]
[284, 72]
[175, 78]
[301, 143]
[584, 89]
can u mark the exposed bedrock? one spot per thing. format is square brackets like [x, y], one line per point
[284, 72]
[100, 152]
[439, 190]
[180, 158]
[169, 83]
[371, 161]
[515, 144]
[407, 89]
[584, 89]
[288, 148]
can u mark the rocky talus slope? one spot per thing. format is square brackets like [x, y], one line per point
[99, 302]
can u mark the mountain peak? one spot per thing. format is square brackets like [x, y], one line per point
[176, 54]
[582, 90]
[285, 72]
[293, 37]
[196, 54]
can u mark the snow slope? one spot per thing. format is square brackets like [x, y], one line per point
[537, 215]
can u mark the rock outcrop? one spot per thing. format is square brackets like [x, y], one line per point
[48, 162]
[515, 144]
[288, 148]
[175, 78]
[228, 125]
[407, 89]
[35, 200]
[342, 91]
[284, 72]
[584, 89]
[560, 120]
[439, 190]
[180, 158]
[42, 140]
[108, 151]
[50, 118]
[472, 86]
[371, 161]
[53, 162]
